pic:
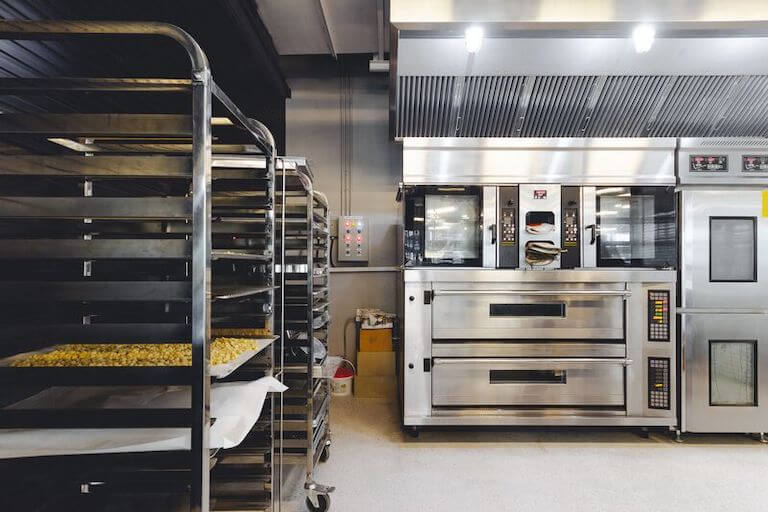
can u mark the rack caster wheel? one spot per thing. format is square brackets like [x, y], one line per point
[412, 432]
[326, 454]
[323, 503]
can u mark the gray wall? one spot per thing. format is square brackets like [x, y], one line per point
[314, 130]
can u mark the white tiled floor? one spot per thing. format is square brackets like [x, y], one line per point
[377, 468]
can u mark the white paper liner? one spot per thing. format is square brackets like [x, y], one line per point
[235, 405]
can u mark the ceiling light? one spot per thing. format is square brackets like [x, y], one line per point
[643, 37]
[473, 38]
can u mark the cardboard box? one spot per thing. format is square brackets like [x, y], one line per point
[381, 364]
[375, 340]
[374, 387]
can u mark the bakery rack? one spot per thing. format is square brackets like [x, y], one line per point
[122, 227]
[303, 312]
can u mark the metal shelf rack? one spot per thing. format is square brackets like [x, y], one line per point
[134, 228]
[303, 312]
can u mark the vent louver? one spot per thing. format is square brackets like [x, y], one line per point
[582, 106]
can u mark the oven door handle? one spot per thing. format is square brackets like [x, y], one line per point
[533, 360]
[593, 235]
[575, 293]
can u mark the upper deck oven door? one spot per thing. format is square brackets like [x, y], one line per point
[723, 252]
[449, 226]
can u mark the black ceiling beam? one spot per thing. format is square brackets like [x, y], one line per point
[245, 16]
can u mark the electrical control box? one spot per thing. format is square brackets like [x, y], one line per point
[353, 238]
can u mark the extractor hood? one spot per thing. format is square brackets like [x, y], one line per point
[548, 72]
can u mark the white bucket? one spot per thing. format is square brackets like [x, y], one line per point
[342, 386]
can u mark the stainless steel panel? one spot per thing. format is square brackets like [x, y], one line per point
[588, 314]
[417, 346]
[490, 227]
[566, 161]
[698, 290]
[492, 348]
[548, 278]
[541, 417]
[582, 382]
[734, 149]
[699, 412]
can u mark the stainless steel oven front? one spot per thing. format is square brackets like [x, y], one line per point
[539, 282]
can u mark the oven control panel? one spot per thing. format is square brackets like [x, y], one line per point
[658, 315]
[508, 236]
[571, 242]
[658, 383]
[508, 231]
[709, 163]
[754, 163]
[353, 239]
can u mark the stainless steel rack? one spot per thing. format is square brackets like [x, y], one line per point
[134, 228]
[303, 314]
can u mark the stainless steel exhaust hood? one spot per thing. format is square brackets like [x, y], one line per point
[560, 72]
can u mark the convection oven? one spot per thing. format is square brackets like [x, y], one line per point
[539, 282]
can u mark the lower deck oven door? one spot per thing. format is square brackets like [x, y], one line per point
[583, 382]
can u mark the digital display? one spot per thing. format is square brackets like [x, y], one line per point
[658, 315]
[754, 163]
[709, 163]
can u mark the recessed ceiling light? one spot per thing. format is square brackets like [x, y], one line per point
[473, 38]
[643, 37]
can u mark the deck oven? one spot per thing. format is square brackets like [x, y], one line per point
[539, 282]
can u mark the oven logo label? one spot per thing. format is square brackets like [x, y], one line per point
[539, 194]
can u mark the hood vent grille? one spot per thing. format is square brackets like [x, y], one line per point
[582, 106]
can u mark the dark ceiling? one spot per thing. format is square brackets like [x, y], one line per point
[240, 50]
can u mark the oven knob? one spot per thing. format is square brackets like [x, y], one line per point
[411, 298]
[410, 366]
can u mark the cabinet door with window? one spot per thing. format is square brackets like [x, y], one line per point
[724, 249]
[726, 367]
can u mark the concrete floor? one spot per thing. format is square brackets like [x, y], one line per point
[377, 468]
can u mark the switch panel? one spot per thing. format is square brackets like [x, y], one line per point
[658, 315]
[353, 238]
[658, 383]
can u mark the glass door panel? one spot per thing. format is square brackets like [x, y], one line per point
[636, 227]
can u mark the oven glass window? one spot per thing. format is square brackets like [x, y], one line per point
[732, 249]
[452, 228]
[636, 227]
[443, 226]
[732, 373]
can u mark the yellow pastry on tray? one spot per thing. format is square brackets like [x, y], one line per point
[223, 350]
